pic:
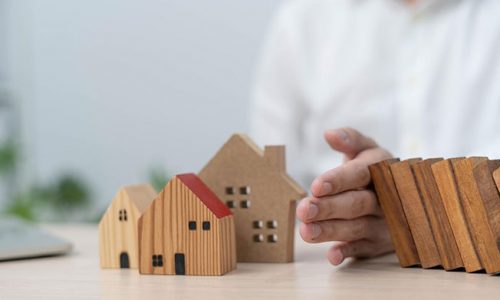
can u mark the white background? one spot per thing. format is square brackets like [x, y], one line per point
[111, 89]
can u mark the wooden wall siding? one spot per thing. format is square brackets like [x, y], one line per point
[475, 213]
[164, 231]
[416, 215]
[440, 225]
[238, 164]
[447, 185]
[116, 237]
[395, 217]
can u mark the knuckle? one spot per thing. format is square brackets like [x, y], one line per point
[360, 228]
[358, 205]
[363, 174]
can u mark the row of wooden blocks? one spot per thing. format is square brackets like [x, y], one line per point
[442, 212]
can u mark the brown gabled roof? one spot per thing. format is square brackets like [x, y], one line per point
[205, 194]
[141, 195]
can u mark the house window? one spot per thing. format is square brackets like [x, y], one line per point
[229, 190]
[272, 238]
[258, 224]
[258, 238]
[245, 204]
[192, 225]
[245, 190]
[122, 215]
[206, 225]
[230, 203]
[157, 261]
[273, 224]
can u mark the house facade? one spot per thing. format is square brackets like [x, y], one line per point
[187, 230]
[118, 238]
[254, 185]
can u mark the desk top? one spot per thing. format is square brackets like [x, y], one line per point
[77, 276]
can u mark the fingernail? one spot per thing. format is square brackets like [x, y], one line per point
[337, 257]
[316, 231]
[313, 211]
[343, 135]
[326, 188]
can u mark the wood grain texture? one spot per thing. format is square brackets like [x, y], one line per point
[447, 185]
[164, 230]
[416, 215]
[496, 176]
[436, 213]
[118, 234]
[388, 198]
[265, 228]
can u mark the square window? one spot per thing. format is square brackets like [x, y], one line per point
[155, 261]
[229, 190]
[245, 190]
[273, 224]
[206, 225]
[258, 238]
[160, 261]
[258, 224]
[272, 238]
[230, 203]
[245, 204]
[192, 225]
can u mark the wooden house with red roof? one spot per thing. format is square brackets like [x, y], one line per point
[254, 184]
[118, 244]
[186, 230]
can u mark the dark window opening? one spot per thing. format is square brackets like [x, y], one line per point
[245, 204]
[272, 238]
[230, 203]
[122, 215]
[157, 261]
[245, 190]
[273, 224]
[206, 225]
[192, 225]
[258, 224]
[229, 190]
[258, 238]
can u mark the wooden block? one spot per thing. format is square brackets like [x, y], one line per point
[436, 213]
[393, 211]
[254, 184]
[496, 176]
[187, 230]
[118, 246]
[489, 206]
[415, 213]
[447, 186]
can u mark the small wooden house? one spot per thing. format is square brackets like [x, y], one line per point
[187, 230]
[118, 239]
[255, 186]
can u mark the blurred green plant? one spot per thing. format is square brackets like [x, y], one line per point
[8, 157]
[158, 177]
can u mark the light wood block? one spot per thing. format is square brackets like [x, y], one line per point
[187, 230]
[496, 176]
[447, 185]
[254, 184]
[393, 211]
[436, 213]
[416, 215]
[118, 241]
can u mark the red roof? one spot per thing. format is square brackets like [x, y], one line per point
[203, 192]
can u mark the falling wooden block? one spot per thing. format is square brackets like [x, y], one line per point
[447, 185]
[187, 230]
[118, 227]
[436, 213]
[393, 211]
[414, 210]
[254, 184]
[496, 176]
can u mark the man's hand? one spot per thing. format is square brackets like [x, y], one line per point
[342, 207]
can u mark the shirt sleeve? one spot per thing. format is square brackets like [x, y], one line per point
[277, 111]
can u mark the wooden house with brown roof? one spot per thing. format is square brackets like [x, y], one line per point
[187, 230]
[118, 239]
[255, 186]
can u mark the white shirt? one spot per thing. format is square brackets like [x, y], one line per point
[422, 81]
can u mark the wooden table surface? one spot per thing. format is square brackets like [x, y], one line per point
[77, 276]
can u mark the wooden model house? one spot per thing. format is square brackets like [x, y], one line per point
[255, 186]
[118, 227]
[187, 230]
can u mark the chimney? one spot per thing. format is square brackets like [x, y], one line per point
[275, 156]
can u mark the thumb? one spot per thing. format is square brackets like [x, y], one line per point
[348, 141]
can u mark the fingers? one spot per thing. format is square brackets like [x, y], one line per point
[361, 248]
[348, 141]
[368, 227]
[351, 175]
[347, 205]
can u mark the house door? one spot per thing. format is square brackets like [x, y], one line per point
[180, 268]
[124, 262]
